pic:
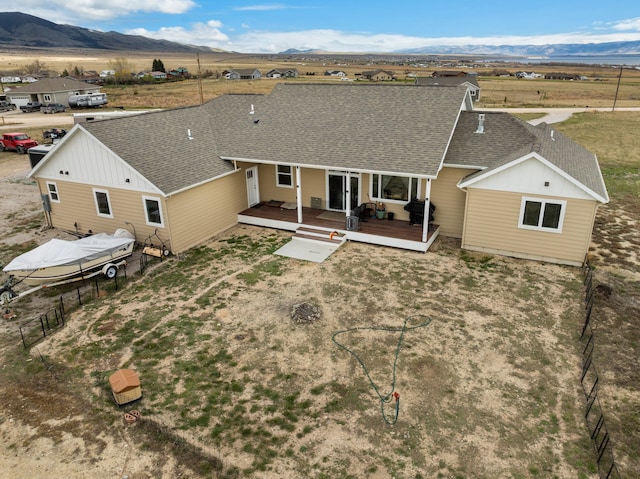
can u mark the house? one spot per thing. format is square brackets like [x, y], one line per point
[335, 73]
[470, 82]
[561, 76]
[180, 73]
[282, 73]
[449, 73]
[378, 75]
[242, 74]
[155, 75]
[50, 90]
[285, 159]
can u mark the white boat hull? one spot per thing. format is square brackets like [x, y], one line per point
[59, 273]
[61, 260]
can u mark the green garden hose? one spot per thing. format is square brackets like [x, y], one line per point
[385, 398]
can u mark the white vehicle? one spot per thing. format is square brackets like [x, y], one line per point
[88, 100]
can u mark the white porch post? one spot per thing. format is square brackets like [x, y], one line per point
[299, 193]
[427, 201]
[347, 189]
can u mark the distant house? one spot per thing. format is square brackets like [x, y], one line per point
[50, 90]
[242, 74]
[449, 73]
[107, 73]
[471, 82]
[335, 73]
[282, 73]
[178, 73]
[528, 75]
[561, 76]
[378, 75]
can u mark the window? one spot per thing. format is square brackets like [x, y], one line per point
[52, 189]
[152, 211]
[284, 177]
[103, 205]
[542, 215]
[399, 188]
[46, 98]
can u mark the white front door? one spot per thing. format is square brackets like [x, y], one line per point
[253, 193]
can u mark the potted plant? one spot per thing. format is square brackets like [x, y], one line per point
[380, 210]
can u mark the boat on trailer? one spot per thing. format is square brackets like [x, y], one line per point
[60, 260]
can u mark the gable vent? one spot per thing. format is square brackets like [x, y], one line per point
[480, 123]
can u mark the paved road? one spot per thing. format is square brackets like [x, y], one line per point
[553, 115]
[16, 120]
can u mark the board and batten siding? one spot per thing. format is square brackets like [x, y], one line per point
[204, 211]
[449, 201]
[491, 225]
[85, 160]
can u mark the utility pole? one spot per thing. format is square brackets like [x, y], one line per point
[200, 80]
[617, 88]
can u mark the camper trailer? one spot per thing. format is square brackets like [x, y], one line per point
[88, 100]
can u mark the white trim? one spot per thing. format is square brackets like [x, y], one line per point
[95, 199]
[278, 173]
[544, 202]
[146, 213]
[55, 191]
[544, 161]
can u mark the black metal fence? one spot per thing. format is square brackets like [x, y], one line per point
[594, 417]
[44, 324]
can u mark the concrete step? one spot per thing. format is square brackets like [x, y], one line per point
[320, 235]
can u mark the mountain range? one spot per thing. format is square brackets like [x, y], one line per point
[20, 30]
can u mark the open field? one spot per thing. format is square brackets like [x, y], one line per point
[488, 371]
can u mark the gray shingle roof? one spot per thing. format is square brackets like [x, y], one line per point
[395, 128]
[158, 146]
[48, 85]
[507, 138]
[447, 81]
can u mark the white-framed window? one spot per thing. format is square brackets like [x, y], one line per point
[542, 214]
[284, 176]
[103, 203]
[394, 188]
[46, 98]
[52, 190]
[152, 211]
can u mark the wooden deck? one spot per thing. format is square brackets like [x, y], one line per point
[395, 233]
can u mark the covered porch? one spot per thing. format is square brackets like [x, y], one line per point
[395, 233]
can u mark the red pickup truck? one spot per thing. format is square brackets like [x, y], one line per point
[19, 142]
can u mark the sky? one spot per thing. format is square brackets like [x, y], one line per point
[349, 25]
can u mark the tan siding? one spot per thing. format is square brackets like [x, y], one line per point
[449, 201]
[200, 213]
[492, 225]
[268, 188]
[313, 185]
[77, 207]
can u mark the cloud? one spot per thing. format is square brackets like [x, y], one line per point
[260, 8]
[338, 41]
[630, 24]
[66, 11]
[208, 34]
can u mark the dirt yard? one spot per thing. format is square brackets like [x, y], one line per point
[483, 351]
